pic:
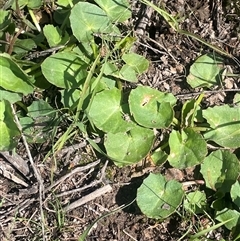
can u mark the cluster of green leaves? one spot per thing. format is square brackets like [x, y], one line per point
[82, 32]
[188, 147]
[92, 62]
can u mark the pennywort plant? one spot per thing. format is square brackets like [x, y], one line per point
[88, 60]
[188, 147]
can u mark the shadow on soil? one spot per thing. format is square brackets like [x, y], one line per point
[128, 193]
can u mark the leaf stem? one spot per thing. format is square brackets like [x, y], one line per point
[34, 20]
[85, 87]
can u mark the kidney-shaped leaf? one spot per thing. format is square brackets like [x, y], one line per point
[117, 11]
[159, 157]
[232, 217]
[12, 77]
[129, 147]
[236, 99]
[34, 4]
[87, 19]
[187, 148]
[40, 108]
[52, 34]
[5, 17]
[12, 97]
[70, 97]
[151, 108]
[127, 73]
[220, 170]
[158, 198]
[137, 62]
[225, 123]
[235, 193]
[204, 71]
[64, 70]
[39, 123]
[8, 129]
[106, 112]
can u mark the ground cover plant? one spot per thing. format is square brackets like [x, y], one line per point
[75, 76]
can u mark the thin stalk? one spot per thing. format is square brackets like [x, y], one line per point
[205, 231]
[200, 128]
[32, 68]
[174, 24]
[198, 38]
[68, 134]
[88, 230]
[85, 87]
[34, 20]
[168, 17]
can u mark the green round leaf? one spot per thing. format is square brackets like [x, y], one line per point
[110, 69]
[52, 34]
[128, 73]
[204, 72]
[220, 170]
[159, 157]
[41, 108]
[64, 70]
[39, 123]
[232, 216]
[187, 148]
[12, 77]
[87, 19]
[151, 108]
[70, 97]
[5, 19]
[225, 123]
[23, 46]
[12, 97]
[137, 62]
[158, 198]
[236, 99]
[107, 114]
[235, 193]
[117, 11]
[34, 4]
[8, 129]
[126, 148]
[64, 3]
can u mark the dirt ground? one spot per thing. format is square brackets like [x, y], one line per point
[170, 55]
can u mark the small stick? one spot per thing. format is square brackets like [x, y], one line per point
[36, 171]
[76, 170]
[141, 27]
[11, 176]
[92, 184]
[99, 192]
[190, 183]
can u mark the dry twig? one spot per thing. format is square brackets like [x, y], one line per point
[36, 172]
